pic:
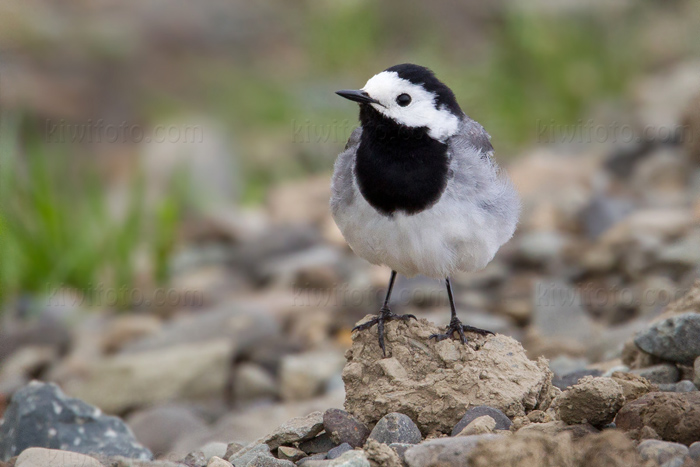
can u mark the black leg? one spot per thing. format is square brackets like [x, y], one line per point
[385, 315]
[455, 324]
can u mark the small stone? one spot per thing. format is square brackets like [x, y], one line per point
[502, 421]
[694, 451]
[538, 416]
[195, 459]
[676, 338]
[662, 451]
[40, 457]
[232, 448]
[381, 454]
[321, 443]
[593, 400]
[338, 451]
[258, 455]
[290, 454]
[674, 416]
[353, 458]
[659, 374]
[295, 430]
[479, 426]
[444, 452]
[217, 461]
[344, 428]
[681, 386]
[396, 428]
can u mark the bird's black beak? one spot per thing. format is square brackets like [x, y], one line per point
[358, 96]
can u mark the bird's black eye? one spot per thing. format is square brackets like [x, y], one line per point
[403, 100]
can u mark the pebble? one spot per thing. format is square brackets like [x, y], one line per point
[40, 415]
[662, 451]
[353, 458]
[478, 426]
[593, 400]
[662, 373]
[676, 338]
[694, 450]
[41, 457]
[321, 443]
[217, 461]
[290, 453]
[344, 428]
[396, 428]
[258, 455]
[681, 386]
[444, 452]
[502, 421]
[195, 459]
[295, 430]
[338, 451]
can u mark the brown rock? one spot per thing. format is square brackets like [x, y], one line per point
[593, 400]
[434, 382]
[479, 426]
[344, 428]
[633, 386]
[295, 430]
[381, 455]
[609, 448]
[673, 416]
[525, 449]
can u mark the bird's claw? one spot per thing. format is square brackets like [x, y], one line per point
[456, 326]
[385, 315]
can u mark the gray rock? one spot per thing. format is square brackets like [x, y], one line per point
[659, 374]
[338, 451]
[314, 461]
[396, 428]
[258, 455]
[676, 338]
[444, 452]
[572, 378]
[40, 415]
[321, 443]
[41, 457]
[681, 386]
[295, 430]
[662, 451]
[289, 453]
[158, 428]
[694, 450]
[353, 458]
[502, 421]
[344, 428]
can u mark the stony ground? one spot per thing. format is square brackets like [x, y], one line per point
[593, 363]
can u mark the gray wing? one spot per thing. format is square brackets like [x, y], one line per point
[342, 188]
[477, 180]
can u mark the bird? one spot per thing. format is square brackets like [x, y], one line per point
[417, 189]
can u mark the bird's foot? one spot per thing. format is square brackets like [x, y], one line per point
[385, 315]
[456, 326]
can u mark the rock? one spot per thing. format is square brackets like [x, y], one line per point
[593, 400]
[303, 376]
[502, 422]
[158, 428]
[195, 459]
[295, 430]
[660, 373]
[573, 378]
[419, 369]
[321, 443]
[289, 453]
[681, 386]
[661, 451]
[694, 450]
[554, 428]
[257, 455]
[381, 455]
[396, 428]
[676, 338]
[41, 457]
[633, 386]
[344, 428]
[180, 372]
[40, 415]
[673, 416]
[479, 426]
[351, 459]
[445, 452]
[634, 357]
[216, 461]
[317, 460]
[338, 451]
[609, 448]
[232, 448]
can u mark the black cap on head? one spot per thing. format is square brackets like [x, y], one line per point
[423, 76]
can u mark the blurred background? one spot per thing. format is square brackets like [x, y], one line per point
[166, 248]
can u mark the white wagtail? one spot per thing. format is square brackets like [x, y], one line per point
[416, 188]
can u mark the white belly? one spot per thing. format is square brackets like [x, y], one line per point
[448, 237]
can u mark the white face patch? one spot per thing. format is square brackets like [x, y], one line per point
[421, 112]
